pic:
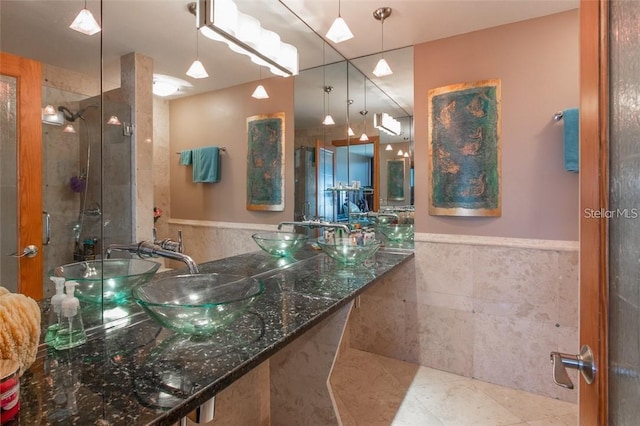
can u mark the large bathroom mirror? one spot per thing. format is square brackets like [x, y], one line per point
[97, 178]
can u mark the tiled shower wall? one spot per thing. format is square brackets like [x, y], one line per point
[479, 307]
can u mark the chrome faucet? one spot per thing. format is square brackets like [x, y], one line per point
[168, 243]
[147, 249]
[317, 224]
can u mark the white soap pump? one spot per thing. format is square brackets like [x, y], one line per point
[71, 332]
[55, 316]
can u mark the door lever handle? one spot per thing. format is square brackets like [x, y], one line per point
[28, 251]
[582, 362]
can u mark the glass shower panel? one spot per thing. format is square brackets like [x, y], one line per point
[8, 183]
[624, 225]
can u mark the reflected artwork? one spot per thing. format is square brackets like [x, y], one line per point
[265, 162]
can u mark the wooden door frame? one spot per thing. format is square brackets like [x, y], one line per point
[594, 194]
[28, 74]
[375, 141]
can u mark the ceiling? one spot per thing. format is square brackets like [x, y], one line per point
[165, 31]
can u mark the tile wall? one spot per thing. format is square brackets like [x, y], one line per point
[486, 308]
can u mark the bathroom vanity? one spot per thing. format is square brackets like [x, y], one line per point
[137, 373]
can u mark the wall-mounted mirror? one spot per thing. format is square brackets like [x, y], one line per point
[96, 189]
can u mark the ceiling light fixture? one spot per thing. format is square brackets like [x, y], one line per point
[85, 23]
[220, 20]
[406, 154]
[400, 153]
[328, 119]
[166, 85]
[339, 30]
[389, 147]
[386, 123]
[382, 67]
[196, 70]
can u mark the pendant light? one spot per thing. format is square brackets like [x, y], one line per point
[328, 119]
[382, 67]
[260, 92]
[389, 147]
[339, 30]
[85, 23]
[363, 113]
[196, 70]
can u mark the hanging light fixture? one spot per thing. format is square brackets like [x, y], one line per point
[382, 67]
[389, 147]
[339, 30]
[196, 70]
[328, 119]
[69, 128]
[260, 92]
[85, 23]
[363, 113]
[406, 154]
[400, 153]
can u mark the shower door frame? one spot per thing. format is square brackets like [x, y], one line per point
[28, 75]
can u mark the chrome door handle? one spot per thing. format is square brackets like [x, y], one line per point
[47, 228]
[29, 251]
[582, 362]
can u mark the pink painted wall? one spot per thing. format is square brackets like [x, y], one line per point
[537, 62]
[219, 118]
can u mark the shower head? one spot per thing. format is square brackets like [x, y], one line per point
[71, 116]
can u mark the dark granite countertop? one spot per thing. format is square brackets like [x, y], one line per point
[142, 374]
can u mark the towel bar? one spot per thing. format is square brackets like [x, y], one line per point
[222, 148]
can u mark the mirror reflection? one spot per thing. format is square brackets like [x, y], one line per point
[99, 187]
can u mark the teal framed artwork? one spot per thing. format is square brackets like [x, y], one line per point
[265, 162]
[464, 149]
[395, 180]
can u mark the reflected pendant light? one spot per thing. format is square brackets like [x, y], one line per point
[328, 119]
[69, 129]
[260, 92]
[389, 147]
[382, 67]
[339, 30]
[363, 113]
[85, 23]
[196, 70]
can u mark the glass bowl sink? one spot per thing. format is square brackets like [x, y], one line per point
[108, 280]
[198, 304]
[397, 232]
[280, 244]
[346, 251]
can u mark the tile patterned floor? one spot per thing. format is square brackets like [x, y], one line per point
[373, 390]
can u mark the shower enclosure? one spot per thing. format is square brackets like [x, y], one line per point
[87, 189]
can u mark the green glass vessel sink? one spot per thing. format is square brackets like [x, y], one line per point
[198, 304]
[397, 232]
[346, 251]
[107, 281]
[281, 244]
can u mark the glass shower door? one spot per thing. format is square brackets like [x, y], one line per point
[624, 226]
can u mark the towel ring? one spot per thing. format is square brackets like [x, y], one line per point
[558, 116]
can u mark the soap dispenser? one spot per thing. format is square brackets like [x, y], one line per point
[71, 332]
[55, 314]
